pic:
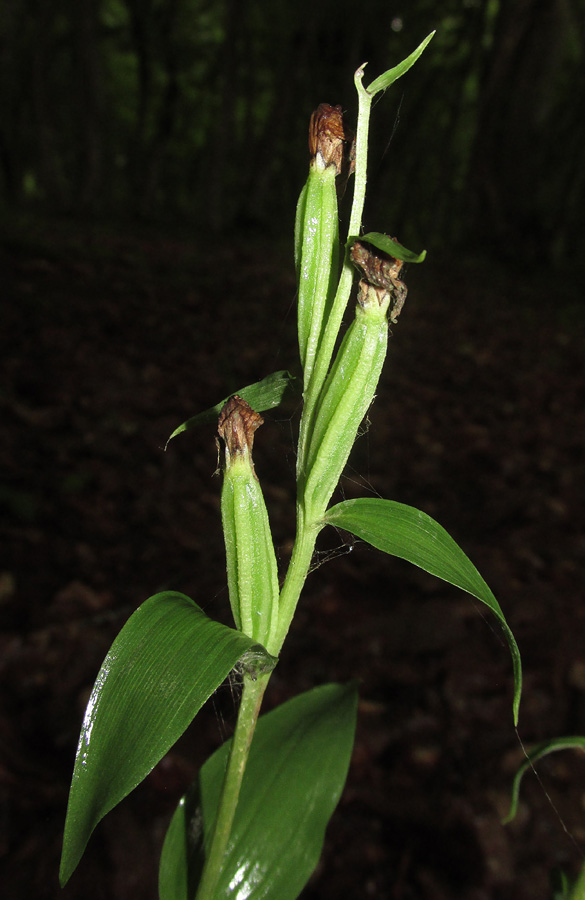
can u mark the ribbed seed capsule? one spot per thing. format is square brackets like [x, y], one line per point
[346, 397]
[317, 231]
[250, 559]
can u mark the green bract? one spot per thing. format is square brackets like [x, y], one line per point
[264, 394]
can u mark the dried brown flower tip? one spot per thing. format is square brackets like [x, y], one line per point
[328, 135]
[381, 272]
[236, 426]
[379, 268]
[370, 296]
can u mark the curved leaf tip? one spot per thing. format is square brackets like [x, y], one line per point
[409, 533]
[166, 661]
[391, 75]
[537, 752]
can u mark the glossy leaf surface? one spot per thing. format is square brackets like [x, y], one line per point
[262, 395]
[165, 663]
[410, 534]
[294, 778]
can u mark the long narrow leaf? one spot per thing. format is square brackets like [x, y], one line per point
[165, 663]
[543, 749]
[295, 774]
[262, 395]
[409, 533]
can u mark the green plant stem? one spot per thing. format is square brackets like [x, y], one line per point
[361, 154]
[307, 531]
[296, 575]
[249, 711]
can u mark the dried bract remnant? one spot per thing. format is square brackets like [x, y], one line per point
[236, 426]
[381, 272]
[328, 136]
[379, 268]
[370, 297]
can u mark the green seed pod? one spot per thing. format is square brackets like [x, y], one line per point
[250, 559]
[317, 231]
[347, 394]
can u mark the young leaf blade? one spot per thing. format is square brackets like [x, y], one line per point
[393, 248]
[391, 75]
[165, 663]
[411, 534]
[295, 774]
[262, 395]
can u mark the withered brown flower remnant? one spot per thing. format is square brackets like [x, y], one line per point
[236, 426]
[329, 136]
[381, 271]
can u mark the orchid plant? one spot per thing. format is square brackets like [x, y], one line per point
[252, 824]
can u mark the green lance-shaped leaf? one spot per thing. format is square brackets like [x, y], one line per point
[410, 534]
[345, 399]
[251, 561]
[296, 770]
[391, 75]
[317, 231]
[393, 248]
[542, 749]
[165, 663]
[264, 394]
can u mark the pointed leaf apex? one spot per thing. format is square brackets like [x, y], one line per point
[389, 77]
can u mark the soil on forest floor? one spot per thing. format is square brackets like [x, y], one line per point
[111, 340]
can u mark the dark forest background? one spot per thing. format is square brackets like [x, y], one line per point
[197, 110]
[151, 156]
